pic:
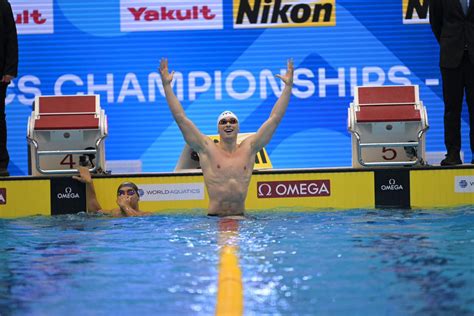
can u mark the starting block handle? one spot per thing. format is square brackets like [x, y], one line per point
[67, 152]
[397, 144]
[386, 163]
[407, 144]
[39, 153]
[389, 163]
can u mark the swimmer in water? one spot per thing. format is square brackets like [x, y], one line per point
[127, 197]
[227, 166]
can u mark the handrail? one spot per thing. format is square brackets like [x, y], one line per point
[39, 153]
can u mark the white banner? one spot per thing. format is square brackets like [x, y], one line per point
[172, 192]
[464, 184]
[33, 17]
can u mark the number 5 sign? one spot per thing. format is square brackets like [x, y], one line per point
[385, 154]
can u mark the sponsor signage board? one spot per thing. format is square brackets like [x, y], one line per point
[392, 189]
[464, 184]
[170, 15]
[24, 198]
[171, 192]
[291, 189]
[33, 17]
[68, 196]
[3, 196]
[415, 11]
[283, 13]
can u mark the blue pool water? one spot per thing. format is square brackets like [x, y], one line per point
[358, 262]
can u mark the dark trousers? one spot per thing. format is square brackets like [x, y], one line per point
[4, 157]
[456, 81]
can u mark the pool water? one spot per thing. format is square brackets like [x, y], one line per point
[357, 262]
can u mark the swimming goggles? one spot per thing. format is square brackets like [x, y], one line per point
[128, 192]
[231, 121]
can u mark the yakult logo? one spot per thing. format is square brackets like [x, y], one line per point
[68, 194]
[164, 14]
[33, 17]
[168, 15]
[3, 196]
[391, 186]
[283, 189]
[27, 17]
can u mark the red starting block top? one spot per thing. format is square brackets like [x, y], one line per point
[67, 104]
[66, 112]
[386, 95]
[393, 113]
[78, 121]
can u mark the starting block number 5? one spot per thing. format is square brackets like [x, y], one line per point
[389, 153]
[377, 154]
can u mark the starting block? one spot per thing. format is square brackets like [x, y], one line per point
[65, 132]
[388, 126]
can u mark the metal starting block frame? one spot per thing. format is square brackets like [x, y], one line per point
[388, 126]
[64, 132]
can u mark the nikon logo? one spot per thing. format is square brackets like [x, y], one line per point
[415, 11]
[283, 13]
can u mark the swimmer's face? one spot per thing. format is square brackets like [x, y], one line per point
[228, 127]
[129, 193]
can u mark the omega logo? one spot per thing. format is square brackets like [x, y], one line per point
[392, 186]
[68, 194]
[305, 188]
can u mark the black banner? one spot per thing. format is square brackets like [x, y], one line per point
[68, 196]
[392, 189]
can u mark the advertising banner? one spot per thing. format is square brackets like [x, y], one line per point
[225, 55]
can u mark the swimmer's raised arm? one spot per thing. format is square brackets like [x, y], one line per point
[262, 137]
[85, 177]
[192, 135]
[127, 197]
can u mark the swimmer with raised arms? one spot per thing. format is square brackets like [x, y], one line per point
[227, 166]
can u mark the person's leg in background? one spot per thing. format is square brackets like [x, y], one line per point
[453, 91]
[4, 157]
[469, 74]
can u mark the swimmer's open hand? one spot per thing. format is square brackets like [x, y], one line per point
[166, 77]
[288, 77]
[84, 175]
